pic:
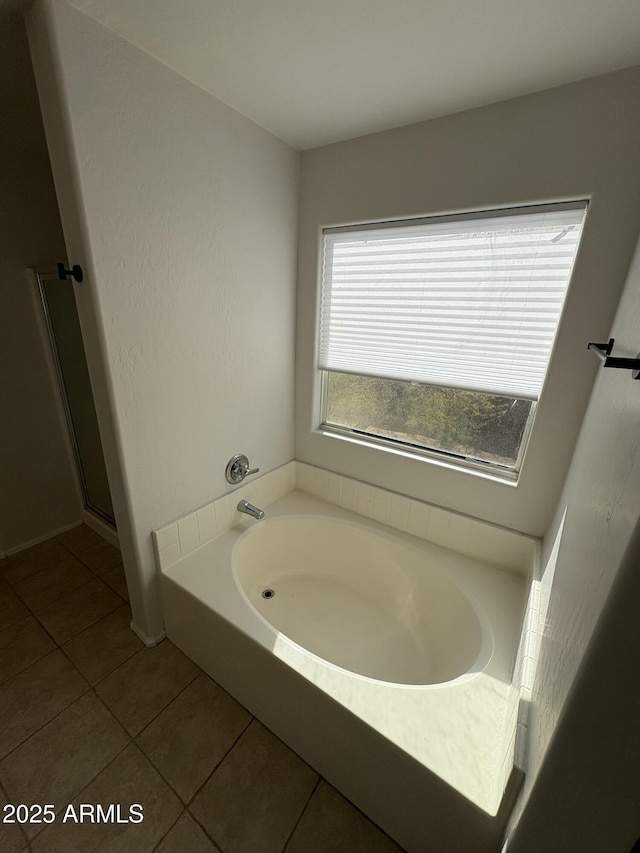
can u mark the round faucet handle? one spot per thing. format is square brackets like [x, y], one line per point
[238, 468]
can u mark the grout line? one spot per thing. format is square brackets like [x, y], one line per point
[98, 619]
[182, 689]
[215, 843]
[53, 600]
[131, 739]
[57, 600]
[14, 583]
[304, 809]
[13, 625]
[102, 618]
[35, 615]
[20, 826]
[367, 818]
[89, 688]
[184, 804]
[171, 701]
[95, 776]
[99, 574]
[62, 545]
[170, 828]
[121, 663]
[214, 769]
[57, 714]
[59, 647]
[187, 805]
[125, 746]
[71, 797]
[197, 791]
[100, 538]
[104, 677]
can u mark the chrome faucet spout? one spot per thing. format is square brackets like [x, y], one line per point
[250, 509]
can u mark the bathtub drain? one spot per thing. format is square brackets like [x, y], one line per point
[268, 593]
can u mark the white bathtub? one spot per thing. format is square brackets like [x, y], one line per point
[361, 599]
[386, 662]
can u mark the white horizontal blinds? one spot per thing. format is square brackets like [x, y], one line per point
[460, 302]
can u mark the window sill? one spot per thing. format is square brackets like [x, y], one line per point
[464, 466]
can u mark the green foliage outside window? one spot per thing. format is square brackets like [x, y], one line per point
[486, 427]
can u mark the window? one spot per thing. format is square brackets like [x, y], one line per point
[436, 333]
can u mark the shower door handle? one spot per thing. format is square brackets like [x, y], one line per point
[75, 272]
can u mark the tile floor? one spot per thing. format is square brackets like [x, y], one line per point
[89, 716]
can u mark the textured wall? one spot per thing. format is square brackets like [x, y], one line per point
[188, 224]
[601, 499]
[38, 492]
[572, 142]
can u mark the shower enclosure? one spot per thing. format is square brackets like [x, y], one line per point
[61, 316]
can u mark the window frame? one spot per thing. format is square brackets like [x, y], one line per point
[495, 471]
[501, 472]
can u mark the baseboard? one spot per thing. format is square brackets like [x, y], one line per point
[17, 548]
[149, 642]
[101, 528]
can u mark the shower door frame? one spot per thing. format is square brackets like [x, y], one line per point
[50, 275]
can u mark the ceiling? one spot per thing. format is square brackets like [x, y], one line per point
[318, 71]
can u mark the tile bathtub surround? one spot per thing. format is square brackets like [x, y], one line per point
[98, 718]
[186, 534]
[484, 542]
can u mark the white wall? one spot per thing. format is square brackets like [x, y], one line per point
[38, 485]
[184, 214]
[583, 722]
[575, 141]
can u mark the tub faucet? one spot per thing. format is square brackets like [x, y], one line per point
[250, 509]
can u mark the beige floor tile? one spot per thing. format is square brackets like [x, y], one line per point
[129, 779]
[253, 800]
[76, 611]
[102, 647]
[186, 836]
[39, 590]
[142, 686]
[34, 559]
[56, 763]
[100, 557]
[331, 823]
[11, 608]
[193, 734]
[34, 696]
[21, 645]
[117, 580]
[79, 538]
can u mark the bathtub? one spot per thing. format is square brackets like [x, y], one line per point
[385, 661]
[361, 600]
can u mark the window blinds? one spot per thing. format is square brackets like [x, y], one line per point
[468, 302]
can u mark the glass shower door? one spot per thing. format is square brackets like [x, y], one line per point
[61, 315]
